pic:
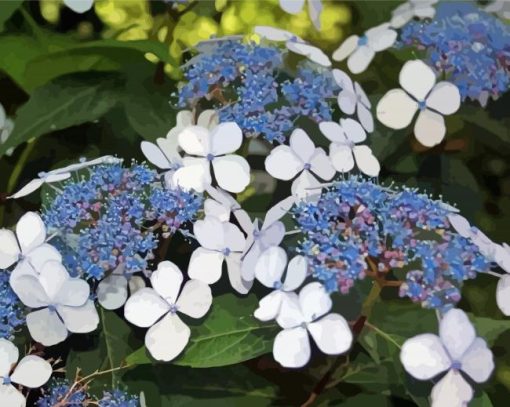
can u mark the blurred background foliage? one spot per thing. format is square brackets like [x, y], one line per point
[84, 85]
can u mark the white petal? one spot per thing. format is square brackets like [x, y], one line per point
[226, 138]
[333, 132]
[429, 128]
[366, 161]
[314, 54]
[274, 34]
[346, 101]
[502, 256]
[314, 301]
[216, 209]
[80, 320]
[365, 118]
[79, 6]
[9, 249]
[331, 334]
[32, 371]
[477, 361]
[273, 234]
[195, 299]
[135, 284]
[282, 163]
[292, 6]
[41, 254]
[424, 356]
[452, 391]
[234, 238]
[32, 186]
[460, 224]
[341, 157]
[396, 109]
[320, 164]
[382, 39]
[29, 290]
[194, 174]
[503, 294]
[306, 186]
[401, 15]
[232, 172]
[424, 10]
[74, 292]
[296, 273]
[210, 233]
[278, 211]
[235, 277]
[184, 119]
[291, 347]
[58, 176]
[301, 145]
[270, 266]
[170, 146]
[456, 333]
[208, 118]
[168, 338]
[112, 292]
[445, 98]
[11, 397]
[249, 261]
[353, 130]
[269, 306]
[52, 277]
[155, 155]
[205, 265]
[362, 96]
[167, 281]
[345, 82]
[195, 140]
[346, 49]
[30, 231]
[360, 59]
[290, 315]
[46, 327]
[145, 307]
[417, 78]
[9, 355]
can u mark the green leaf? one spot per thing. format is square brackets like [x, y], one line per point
[7, 9]
[65, 102]
[228, 335]
[482, 400]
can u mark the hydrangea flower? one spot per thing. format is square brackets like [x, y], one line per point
[118, 398]
[456, 350]
[156, 308]
[12, 315]
[31, 371]
[420, 92]
[212, 149]
[58, 390]
[359, 228]
[105, 220]
[299, 157]
[62, 303]
[467, 45]
[304, 315]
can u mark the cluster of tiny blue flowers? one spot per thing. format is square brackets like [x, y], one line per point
[118, 398]
[468, 45]
[11, 309]
[360, 229]
[244, 78]
[112, 218]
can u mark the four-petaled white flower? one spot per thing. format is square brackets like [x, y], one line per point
[231, 171]
[352, 98]
[220, 241]
[63, 303]
[294, 44]
[361, 50]
[295, 6]
[31, 371]
[308, 314]
[112, 291]
[303, 158]
[456, 349]
[259, 238]
[420, 92]
[410, 9]
[269, 271]
[157, 308]
[27, 247]
[343, 150]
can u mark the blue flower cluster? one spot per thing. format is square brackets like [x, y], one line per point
[249, 82]
[61, 390]
[360, 229]
[112, 218]
[468, 45]
[11, 309]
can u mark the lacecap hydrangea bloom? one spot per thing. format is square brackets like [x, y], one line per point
[244, 81]
[468, 45]
[359, 228]
[111, 218]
